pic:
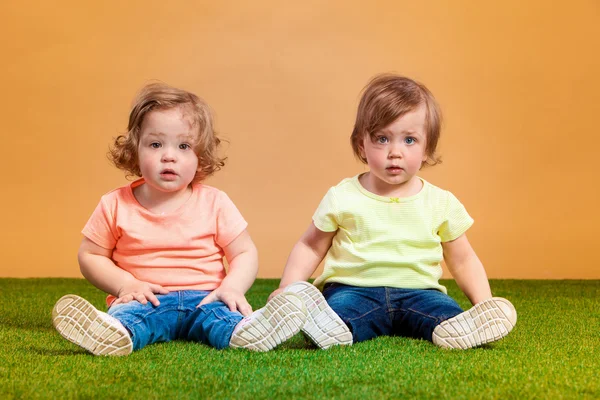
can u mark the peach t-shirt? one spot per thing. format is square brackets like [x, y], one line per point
[181, 250]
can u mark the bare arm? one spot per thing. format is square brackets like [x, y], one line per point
[467, 269]
[97, 267]
[305, 257]
[242, 257]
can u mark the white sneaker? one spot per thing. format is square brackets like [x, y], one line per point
[323, 326]
[271, 325]
[81, 323]
[485, 322]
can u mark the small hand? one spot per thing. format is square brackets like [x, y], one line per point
[275, 293]
[235, 300]
[139, 291]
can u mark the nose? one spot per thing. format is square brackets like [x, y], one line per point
[395, 151]
[168, 155]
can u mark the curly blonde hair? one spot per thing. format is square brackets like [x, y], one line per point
[388, 97]
[160, 96]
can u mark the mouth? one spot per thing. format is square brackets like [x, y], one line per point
[394, 170]
[168, 174]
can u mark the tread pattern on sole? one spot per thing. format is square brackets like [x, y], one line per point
[81, 323]
[272, 325]
[485, 322]
[323, 326]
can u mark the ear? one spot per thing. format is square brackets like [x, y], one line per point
[361, 151]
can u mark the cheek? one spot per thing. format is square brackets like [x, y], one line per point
[192, 162]
[375, 154]
[145, 161]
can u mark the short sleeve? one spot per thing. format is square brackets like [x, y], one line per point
[455, 221]
[325, 218]
[101, 227]
[230, 222]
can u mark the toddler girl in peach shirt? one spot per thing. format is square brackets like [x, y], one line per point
[156, 246]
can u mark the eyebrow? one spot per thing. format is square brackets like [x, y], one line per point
[161, 135]
[387, 131]
[155, 134]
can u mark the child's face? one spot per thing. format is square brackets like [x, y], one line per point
[166, 157]
[397, 152]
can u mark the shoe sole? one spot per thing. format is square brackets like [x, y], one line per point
[486, 322]
[323, 326]
[81, 323]
[278, 321]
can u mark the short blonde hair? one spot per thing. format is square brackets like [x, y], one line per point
[160, 96]
[386, 98]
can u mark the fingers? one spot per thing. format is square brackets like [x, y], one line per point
[150, 296]
[244, 307]
[275, 293]
[235, 302]
[230, 303]
[158, 289]
[140, 297]
[141, 292]
[208, 299]
[123, 299]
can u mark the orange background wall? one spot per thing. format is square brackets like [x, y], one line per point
[519, 84]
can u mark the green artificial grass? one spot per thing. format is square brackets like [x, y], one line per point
[552, 353]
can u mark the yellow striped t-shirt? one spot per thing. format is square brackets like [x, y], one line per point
[383, 241]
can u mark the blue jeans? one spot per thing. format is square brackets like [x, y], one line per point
[383, 311]
[178, 318]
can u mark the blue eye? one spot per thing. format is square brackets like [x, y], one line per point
[155, 145]
[382, 139]
[410, 140]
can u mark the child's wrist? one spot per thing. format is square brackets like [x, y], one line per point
[230, 288]
[127, 282]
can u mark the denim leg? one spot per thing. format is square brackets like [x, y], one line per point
[416, 312]
[363, 309]
[148, 324]
[211, 324]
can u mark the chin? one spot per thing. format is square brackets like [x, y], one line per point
[396, 182]
[168, 187]
[394, 179]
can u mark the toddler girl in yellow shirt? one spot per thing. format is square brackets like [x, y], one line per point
[384, 233]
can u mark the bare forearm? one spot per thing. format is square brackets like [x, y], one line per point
[102, 272]
[301, 263]
[243, 269]
[471, 278]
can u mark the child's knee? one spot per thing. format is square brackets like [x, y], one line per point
[131, 310]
